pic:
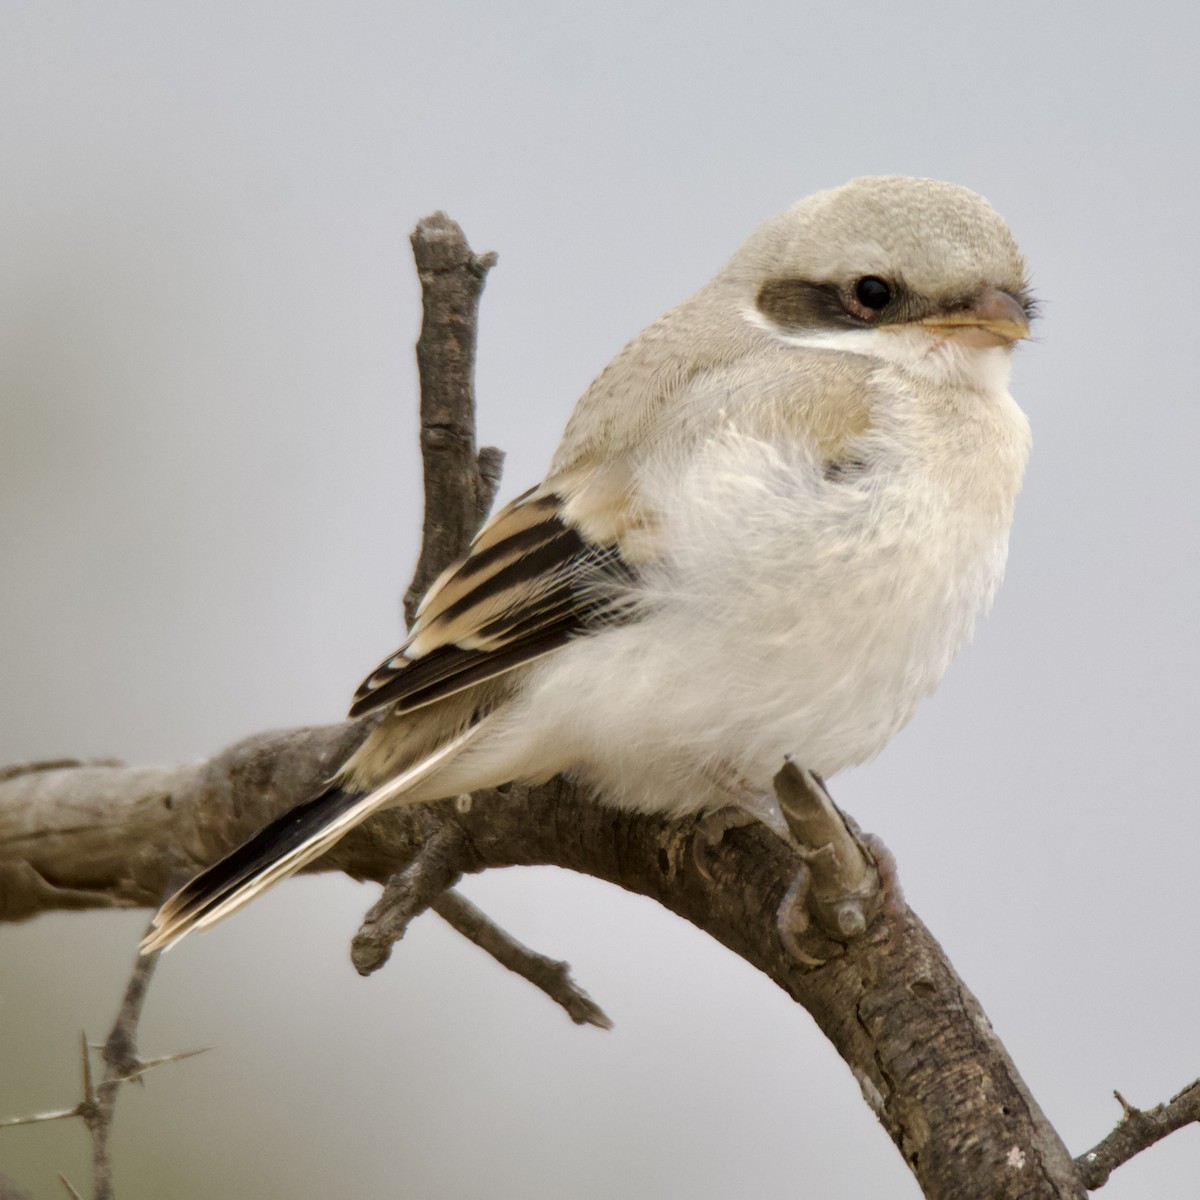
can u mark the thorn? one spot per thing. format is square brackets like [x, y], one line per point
[70, 1189]
[1127, 1109]
[141, 1066]
[35, 1118]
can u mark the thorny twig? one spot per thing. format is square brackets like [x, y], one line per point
[121, 1065]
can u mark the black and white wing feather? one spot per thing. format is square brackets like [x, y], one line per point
[529, 582]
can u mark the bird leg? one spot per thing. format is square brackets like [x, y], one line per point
[843, 876]
[841, 883]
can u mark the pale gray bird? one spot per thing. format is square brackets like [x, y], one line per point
[772, 521]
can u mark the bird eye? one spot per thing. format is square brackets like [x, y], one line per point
[872, 292]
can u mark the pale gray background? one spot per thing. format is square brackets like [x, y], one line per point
[209, 502]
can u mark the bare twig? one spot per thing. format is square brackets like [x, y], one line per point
[552, 976]
[1136, 1130]
[460, 486]
[459, 483]
[407, 894]
[121, 1065]
[427, 882]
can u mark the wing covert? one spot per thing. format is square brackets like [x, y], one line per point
[528, 584]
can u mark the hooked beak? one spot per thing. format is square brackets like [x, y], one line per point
[994, 319]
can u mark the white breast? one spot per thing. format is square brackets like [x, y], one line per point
[791, 613]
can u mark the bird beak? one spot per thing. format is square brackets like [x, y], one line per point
[994, 319]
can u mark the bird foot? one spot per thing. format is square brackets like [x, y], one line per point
[711, 831]
[884, 862]
[792, 919]
[844, 877]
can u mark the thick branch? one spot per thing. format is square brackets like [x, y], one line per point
[910, 1030]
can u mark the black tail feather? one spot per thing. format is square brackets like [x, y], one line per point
[214, 884]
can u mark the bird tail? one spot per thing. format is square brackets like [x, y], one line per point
[282, 848]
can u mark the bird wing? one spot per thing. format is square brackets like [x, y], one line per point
[545, 568]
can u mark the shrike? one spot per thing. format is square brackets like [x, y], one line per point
[771, 522]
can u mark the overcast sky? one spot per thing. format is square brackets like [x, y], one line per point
[209, 508]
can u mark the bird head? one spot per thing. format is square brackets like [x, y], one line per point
[913, 271]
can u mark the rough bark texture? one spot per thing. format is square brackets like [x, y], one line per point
[910, 1030]
[1138, 1130]
[459, 484]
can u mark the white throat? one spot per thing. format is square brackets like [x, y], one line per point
[922, 352]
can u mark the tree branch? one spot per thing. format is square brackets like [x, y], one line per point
[460, 484]
[1136, 1131]
[407, 894]
[908, 1027]
[552, 976]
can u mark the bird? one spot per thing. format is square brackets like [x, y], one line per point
[770, 524]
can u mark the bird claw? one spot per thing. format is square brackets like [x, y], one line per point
[792, 919]
[710, 832]
[884, 862]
